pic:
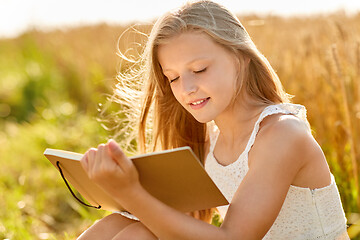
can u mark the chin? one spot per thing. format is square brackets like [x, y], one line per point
[202, 119]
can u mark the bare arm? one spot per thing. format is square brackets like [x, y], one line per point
[255, 205]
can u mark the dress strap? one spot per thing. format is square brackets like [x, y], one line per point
[285, 108]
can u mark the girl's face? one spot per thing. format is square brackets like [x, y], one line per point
[201, 73]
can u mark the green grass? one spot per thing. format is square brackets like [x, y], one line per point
[51, 85]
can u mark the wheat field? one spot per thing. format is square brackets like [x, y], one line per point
[53, 84]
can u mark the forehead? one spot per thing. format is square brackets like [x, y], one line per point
[186, 47]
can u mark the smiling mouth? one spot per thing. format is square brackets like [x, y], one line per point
[197, 103]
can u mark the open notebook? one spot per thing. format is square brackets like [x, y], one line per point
[175, 177]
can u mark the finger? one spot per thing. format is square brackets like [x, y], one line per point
[118, 155]
[84, 162]
[106, 155]
[99, 156]
[115, 164]
[91, 159]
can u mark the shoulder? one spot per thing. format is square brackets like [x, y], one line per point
[286, 138]
[284, 129]
[275, 160]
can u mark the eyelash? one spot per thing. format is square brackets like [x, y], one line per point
[200, 71]
[172, 80]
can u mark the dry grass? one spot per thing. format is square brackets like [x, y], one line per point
[317, 59]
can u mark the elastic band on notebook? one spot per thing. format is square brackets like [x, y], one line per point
[67, 184]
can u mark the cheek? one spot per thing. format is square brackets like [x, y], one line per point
[176, 94]
[225, 89]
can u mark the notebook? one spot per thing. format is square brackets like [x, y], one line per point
[175, 177]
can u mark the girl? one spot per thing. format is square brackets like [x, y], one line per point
[208, 87]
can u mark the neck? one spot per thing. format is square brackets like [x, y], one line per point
[238, 121]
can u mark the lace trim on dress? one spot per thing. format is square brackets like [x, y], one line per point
[285, 108]
[127, 215]
[306, 213]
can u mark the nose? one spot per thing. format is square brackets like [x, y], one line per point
[189, 84]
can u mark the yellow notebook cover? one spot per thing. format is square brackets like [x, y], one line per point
[175, 177]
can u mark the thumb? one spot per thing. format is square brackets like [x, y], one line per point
[117, 154]
[115, 149]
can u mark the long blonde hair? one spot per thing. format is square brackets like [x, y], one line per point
[145, 94]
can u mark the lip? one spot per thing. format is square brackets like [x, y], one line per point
[198, 106]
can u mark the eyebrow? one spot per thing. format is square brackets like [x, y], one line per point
[192, 61]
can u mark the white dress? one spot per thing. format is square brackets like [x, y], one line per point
[306, 213]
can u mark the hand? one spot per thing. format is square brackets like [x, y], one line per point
[111, 169]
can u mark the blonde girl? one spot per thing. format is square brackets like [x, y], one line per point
[207, 86]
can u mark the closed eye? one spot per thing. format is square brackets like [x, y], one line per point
[200, 71]
[174, 79]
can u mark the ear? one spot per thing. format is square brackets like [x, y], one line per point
[245, 60]
[242, 62]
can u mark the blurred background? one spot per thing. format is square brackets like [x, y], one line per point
[58, 66]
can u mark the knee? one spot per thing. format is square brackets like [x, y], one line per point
[116, 219]
[107, 227]
[135, 231]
